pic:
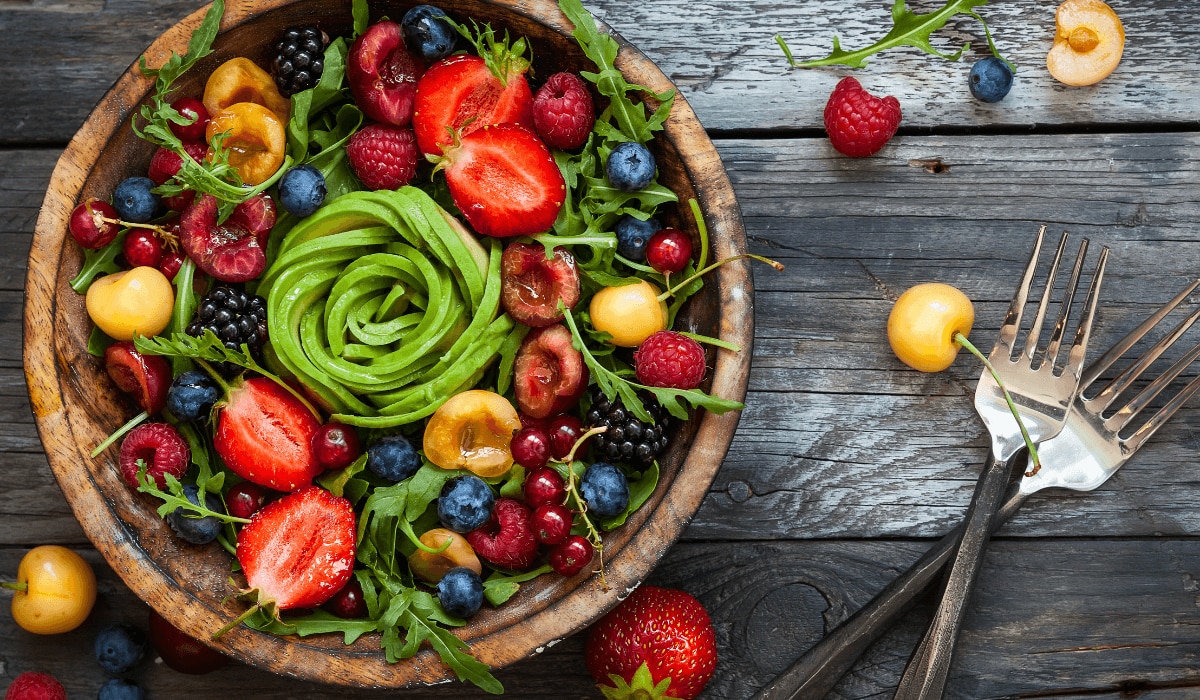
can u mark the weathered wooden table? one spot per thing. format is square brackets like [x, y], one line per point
[846, 464]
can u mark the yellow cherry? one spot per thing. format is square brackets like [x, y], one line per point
[133, 301]
[473, 431]
[923, 323]
[54, 592]
[1088, 42]
[629, 313]
[432, 567]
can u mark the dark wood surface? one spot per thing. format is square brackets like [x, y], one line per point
[846, 464]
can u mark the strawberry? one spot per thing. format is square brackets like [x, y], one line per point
[298, 552]
[384, 157]
[506, 540]
[658, 643]
[504, 181]
[563, 112]
[464, 92]
[859, 123]
[264, 434]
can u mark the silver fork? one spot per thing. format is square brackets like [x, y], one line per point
[1083, 456]
[1043, 394]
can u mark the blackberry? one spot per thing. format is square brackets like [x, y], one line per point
[235, 316]
[299, 59]
[627, 438]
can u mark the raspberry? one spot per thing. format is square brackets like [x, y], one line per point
[160, 447]
[32, 685]
[671, 360]
[506, 540]
[859, 124]
[383, 156]
[562, 112]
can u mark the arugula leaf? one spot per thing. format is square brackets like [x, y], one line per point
[314, 622]
[99, 262]
[174, 498]
[341, 482]
[98, 342]
[908, 29]
[499, 587]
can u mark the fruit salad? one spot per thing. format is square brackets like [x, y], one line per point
[399, 319]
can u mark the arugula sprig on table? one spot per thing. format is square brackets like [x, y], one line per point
[908, 29]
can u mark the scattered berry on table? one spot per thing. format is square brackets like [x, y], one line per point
[465, 503]
[564, 432]
[302, 190]
[633, 234]
[87, 226]
[335, 445]
[383, 156]
[544, 486]
[460, 592]
[193, 529]
[147, 378]
[562, 112]
[142, 247]
[348, 603]
[234, 315]
[160, 447]
[33, 685]
[859, 123]
[670, 359]
[121, 689]
[134, 201]
[245, 499]
[119, 648]
[630, 167]
[627, 438]
[506, 540]
[605, 488]
[393, 458]
[669, 250]
[190, 108]
[551, 523]
[192, 395]
[990, 79]
[426, 33]
[531, 447]
[299, 59]
[570, 556]
[181, 652]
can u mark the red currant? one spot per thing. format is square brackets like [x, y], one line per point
[551, 523]
[669, 250]
[531, 448]
[568, 557]
[189, 107]
[87, 228]
[244, 499]
[181, 652]
[335, 445]
[564, 431]
[544, 487]
[171, 261]
[348, 603]
[142, 248]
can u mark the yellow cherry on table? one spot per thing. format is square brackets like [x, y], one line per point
[54, 592]
[1088, 42]
[629, 313]
[923, 323]
[133, 301]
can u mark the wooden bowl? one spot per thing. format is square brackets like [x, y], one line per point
[76, 405]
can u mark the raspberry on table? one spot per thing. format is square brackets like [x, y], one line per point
[563, 113]
[859, 123]
[383, 156]
[670, 360]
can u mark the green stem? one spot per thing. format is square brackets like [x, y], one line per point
[216, 376]
[745, 256]
[237, 620]
[962, 340]
[133, 423]
[14, 585]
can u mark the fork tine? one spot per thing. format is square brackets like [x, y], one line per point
[1012, 320]
[1036, 329]
[1143, 433]
[1130, 374]
[1064, 312]
[1102, 364]
[1084, 331]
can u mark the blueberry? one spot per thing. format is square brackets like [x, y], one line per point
[119, 648]
[460, 592]
[432, 37]
[630, 167]
[990, 79]
[465, 503]
[632, 236]
[192, 395]
[302, 190]
[134, 201]
[193, 529]
[121, 689]
[393, 458]
[605, 489]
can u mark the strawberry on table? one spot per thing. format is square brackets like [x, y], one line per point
[264, 435]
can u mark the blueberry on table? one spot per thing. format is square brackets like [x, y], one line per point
[119, 648]
[630, 167]
[190, 528]
[465, 503]
[460, 592]
[990, 79]
[134, 201]
[393, 458]
[632, 236]
[605, 489]
[427, 33]
[302, 190]
[192, 395]
[121, 689]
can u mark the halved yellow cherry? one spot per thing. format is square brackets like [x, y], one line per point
[923, 323]
[241, 80]
[255, 137]
[1088, 42]
[432, 567]
[473, 431]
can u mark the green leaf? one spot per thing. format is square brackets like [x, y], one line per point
[98, 342]
[360, 12]
[97, 263]
[499, 587]
[908, 29]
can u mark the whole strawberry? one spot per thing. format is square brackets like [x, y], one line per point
[859, 123]
[669, 359]
[383, 156]
[658, 643]
[562, 112]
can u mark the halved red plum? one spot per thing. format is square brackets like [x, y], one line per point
[232, 251]
[145, 377]
[531, 285]
[383, 74]
[549, 374]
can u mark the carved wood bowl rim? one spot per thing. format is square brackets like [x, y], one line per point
[73, 401]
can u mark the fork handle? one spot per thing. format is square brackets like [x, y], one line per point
[925, 676]
[815, 674]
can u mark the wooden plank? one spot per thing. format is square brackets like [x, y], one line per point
[726, 63]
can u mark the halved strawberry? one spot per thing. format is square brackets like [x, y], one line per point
[464, 92]
[264, 434]
[230, 251]
[298, 551]
[504, 181]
